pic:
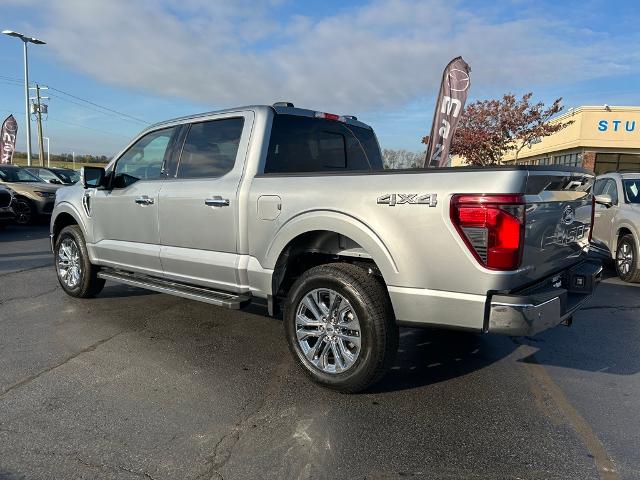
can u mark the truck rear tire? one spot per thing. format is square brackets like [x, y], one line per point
[340, 326]
[627, 266]
[77, 276]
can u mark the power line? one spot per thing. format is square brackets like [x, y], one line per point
[20, 81]
[82, 105]
[88, 128]
[99, 106]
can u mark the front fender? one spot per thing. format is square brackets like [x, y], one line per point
[340, 223]
[80, 218]
[632, 227]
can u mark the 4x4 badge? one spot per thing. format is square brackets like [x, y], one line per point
[393, 199]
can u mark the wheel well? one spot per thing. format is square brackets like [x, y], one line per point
[622, 232]
[309, 250]
[62, 220]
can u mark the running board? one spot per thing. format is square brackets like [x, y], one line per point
[207, 295]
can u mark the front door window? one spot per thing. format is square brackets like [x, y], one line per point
[145, 159]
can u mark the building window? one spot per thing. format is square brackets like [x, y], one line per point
[569, 159]
[614, 162]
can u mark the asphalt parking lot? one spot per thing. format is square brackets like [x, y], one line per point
[135, 384]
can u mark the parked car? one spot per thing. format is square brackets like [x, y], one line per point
[59, 176]
[293, 208]
[617, 221]
[33, 196]
[7, 213]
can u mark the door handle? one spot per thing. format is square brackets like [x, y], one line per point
[144, 200]
[216, 202]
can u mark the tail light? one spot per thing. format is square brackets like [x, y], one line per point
[492, 227]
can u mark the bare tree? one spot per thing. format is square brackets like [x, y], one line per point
[397, 159]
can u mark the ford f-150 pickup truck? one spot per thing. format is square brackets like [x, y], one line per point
[292, 208]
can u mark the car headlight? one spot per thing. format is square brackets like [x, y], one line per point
[45, 194]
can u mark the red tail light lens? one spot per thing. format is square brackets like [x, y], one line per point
[492, 226]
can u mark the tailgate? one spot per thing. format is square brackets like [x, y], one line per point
[558, 220]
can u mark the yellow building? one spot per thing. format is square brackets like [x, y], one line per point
[602, 138]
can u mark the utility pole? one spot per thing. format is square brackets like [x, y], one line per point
[39, 108]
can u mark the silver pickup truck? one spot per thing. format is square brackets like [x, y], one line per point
[292, 208]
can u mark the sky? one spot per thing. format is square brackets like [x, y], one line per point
[380, 60]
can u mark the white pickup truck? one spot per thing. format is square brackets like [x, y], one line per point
[292, 207]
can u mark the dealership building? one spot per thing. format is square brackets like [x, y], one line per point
[602, 139]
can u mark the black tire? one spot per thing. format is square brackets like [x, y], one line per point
[25, 211]
[89, 285]
[627, 261]
[379, 332]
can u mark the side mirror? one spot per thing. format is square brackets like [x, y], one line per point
[604, 200]
[55, 181]
[92, 177]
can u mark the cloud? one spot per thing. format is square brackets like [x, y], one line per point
[381, 55]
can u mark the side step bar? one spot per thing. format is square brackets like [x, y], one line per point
[214, 297]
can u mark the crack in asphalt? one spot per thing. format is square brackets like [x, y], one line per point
[113, 468]
[31, 378]
[15, 272]
[239, 428]
[30, 297]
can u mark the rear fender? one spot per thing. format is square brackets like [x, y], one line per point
[341, 224]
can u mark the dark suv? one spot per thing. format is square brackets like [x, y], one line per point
[7, 213]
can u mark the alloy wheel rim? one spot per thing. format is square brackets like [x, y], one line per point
[23, 213]
[69, 266]
[624, 258]
[328, 331]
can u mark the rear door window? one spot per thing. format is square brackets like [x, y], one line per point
[210, 148]
[305, 144]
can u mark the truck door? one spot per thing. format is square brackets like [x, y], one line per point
[125, 217]
[604, 216]
[199, 208]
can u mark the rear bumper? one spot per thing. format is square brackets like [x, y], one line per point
[533, 311]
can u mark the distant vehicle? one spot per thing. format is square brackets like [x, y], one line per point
[292, 207]
[33, 196]
[59, 176]
[7, 213]
[617, 221]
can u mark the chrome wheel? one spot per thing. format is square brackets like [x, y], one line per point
[328, 330]
[624, 258]
[69, 263]
[24, 212]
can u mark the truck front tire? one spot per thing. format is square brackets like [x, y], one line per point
[77, 276]
[340, 326]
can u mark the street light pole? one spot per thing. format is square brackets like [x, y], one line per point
[25, 39]
[27, 113]
[48, 152]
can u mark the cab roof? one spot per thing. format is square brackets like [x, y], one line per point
[280, 108]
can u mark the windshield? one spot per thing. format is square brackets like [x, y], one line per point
[12, 174]
[631, 190]
[68, 176]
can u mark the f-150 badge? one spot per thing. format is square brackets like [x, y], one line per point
[393, 199]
